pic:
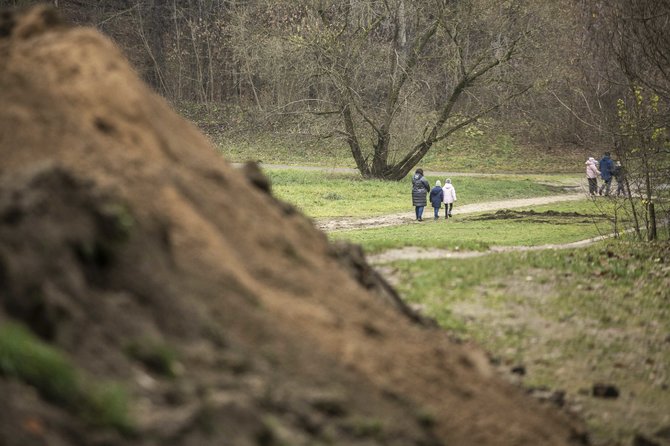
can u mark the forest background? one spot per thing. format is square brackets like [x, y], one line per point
[383, 85]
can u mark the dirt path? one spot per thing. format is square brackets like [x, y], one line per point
[416, 253]
[333, 224]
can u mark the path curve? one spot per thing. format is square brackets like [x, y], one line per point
[416, 253]
[344, 223]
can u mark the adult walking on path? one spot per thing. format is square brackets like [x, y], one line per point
[592, 173]
[620, 174]
[436, 197]
[449, 197]
[606, 168]
[420, 188]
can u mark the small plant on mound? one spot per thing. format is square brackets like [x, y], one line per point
[25, 357]
[362, 427]
[154, 355]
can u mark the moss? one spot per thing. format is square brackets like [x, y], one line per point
[154, 355]
[363, 427]
[28, 359]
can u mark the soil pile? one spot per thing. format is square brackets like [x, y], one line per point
[135, 254]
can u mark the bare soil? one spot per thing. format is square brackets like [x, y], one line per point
[119, 222]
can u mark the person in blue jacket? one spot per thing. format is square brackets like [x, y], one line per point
[606, 167]
[436, 197]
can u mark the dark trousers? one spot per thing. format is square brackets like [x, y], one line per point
[593, 186]
[447, 209]
[606, 186]
[620, 190]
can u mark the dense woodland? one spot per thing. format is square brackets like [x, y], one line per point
[391, 78]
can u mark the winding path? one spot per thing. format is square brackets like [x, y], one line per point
[343, 223]
[415, 253]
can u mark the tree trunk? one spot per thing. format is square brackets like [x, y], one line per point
[636, 220]
[651, 236]
[354, 145]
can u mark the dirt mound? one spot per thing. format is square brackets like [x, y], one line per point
[134, 254]
[538, 217]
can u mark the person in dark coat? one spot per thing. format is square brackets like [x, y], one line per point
[436, 197]
[606, 168]
[420, 188]
[620, 176]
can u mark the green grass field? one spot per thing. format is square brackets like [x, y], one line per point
[470, 232]
[572, 318]
[323, 194]
[489, 152]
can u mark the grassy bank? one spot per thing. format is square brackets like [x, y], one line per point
[571, 318]
[488, 152]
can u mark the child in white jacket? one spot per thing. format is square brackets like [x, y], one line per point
[592, 173]
[449, 197]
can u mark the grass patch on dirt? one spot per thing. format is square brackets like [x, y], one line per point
[322, 194]
[571, 317]
[572, 221]
[28, 359]
[155, 355]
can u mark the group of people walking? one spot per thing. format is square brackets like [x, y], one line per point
[607, 169]
[437, 195]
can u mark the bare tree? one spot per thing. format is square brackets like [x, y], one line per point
[633, 47]
[384, 61]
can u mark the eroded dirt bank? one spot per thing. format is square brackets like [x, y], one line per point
[120, 226]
